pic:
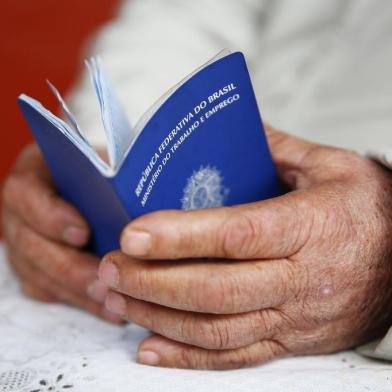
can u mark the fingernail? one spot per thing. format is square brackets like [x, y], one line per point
[116, 304]
[97, 291]
[148, 358]
[112, 317]
[136, 242]
[108, 273]
[75, 235]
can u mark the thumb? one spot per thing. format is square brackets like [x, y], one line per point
[272, 228]
[294, 157]
[303, 164]
[288, 150]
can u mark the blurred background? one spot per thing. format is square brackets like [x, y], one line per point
[41, 40]
[321, 69]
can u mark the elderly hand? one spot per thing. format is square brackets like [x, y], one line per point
[43, 236]
[305, 273]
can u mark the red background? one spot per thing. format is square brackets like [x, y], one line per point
[39, 40]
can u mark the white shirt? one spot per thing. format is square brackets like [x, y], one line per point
[321, 70]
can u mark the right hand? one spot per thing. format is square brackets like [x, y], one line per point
[44, 236]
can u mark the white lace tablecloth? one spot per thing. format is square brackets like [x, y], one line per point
[58, 348]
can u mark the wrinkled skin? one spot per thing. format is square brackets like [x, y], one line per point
[308, 272]
[44, 238]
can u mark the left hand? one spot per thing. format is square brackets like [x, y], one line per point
[44, 237]
[308, 272]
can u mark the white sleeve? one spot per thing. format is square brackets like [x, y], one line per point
[383, 155]
[380, 348]
[153, 44]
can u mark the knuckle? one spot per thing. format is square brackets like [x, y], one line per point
[29, 153]
[274, 349]
[350, 161]
[286, 322]
[13, 189]
[195, 331]
[344, 162]
[10, 230]
[291, 281]
[239, 359]
[191, 358]
[301, 284]
[66, 268]
[20, 187]
[271, 323]
[264, 322]
[220, 334]
[206, 332]
[216, 334]
[232, 359]
[26, 241]
[240, 235]
[36, 294]
[143, 281]
[63, 269]
[223, 294]
[260, 352]
[190, 331]
[72, 271]
[16, 236]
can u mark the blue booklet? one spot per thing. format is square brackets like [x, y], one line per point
[201, 145]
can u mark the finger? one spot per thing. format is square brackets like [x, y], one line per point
[66, 265]
[274, 228]
[30, 194]
[43, 210]
[40, 287]
[62, 287]
[160, 351]
[31, 158]
[37, 293]
[32, 285]
[98, 291]
[202, 286]
[85, 303]
[202, 330]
